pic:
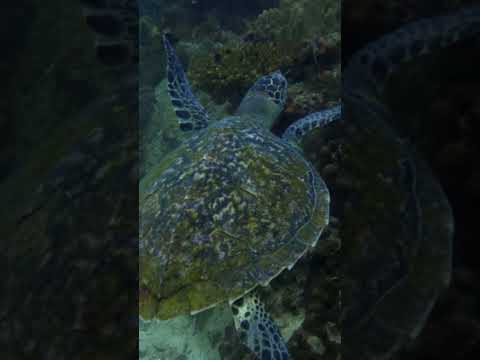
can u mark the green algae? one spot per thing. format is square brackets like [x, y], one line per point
[232, 69]
[295, 21]
[285, 38]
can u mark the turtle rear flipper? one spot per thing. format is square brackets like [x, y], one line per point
[190, 113]
[257, 330]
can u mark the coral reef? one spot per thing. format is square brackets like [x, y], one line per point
[305, 98]
[298, 20]
[225, 64]
[231, 69]
[301, 38]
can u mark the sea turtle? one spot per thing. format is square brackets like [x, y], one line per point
[228, 210]
[392, 280]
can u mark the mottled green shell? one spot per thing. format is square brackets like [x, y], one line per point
[228, 210]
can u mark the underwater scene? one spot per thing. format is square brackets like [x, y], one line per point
[228, 203]
[239, 180]
[285, 213]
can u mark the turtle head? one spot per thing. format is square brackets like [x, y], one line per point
[265, 99]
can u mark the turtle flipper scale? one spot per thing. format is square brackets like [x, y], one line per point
[190, 113]
[257, 330]
[272, 86]
[306, 124]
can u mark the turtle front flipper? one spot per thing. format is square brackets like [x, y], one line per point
[257, 329]
[190, 113]
[304, 125]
